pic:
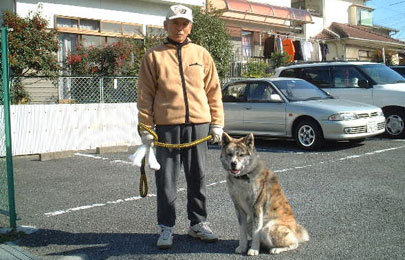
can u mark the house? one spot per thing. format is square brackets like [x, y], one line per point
[98, 22]
[250, 23]
[347, 28]
[344, 28]
[92, 23]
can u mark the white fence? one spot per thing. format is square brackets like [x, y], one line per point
[64, 127]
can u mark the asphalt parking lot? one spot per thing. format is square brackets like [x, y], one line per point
[351, 198]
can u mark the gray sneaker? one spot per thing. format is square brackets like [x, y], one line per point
[165, 240]
[203, 232]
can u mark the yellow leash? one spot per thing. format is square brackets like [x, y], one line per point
[175, 146]
[143, 183]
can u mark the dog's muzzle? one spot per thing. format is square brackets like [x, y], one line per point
[234, 170]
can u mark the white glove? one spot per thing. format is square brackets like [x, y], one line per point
[216, 131]
[141, 152]
[146, 138]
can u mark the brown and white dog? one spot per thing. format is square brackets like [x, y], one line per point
[262, 208]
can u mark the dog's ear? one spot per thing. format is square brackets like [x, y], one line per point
[250, 141]
[226, 139]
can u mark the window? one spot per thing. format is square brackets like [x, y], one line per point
[346, 77]
[381, 74]
[87, 24]
[291, 73]
[319, 76]
[247, 43]
[67, 22]
[131, 28]
[155, 30]
[298, 90]
[364, 17]
[235, 93]
[313, 7]
[110, 27]
[68, 42]
[97, 27]
[111, 40]
[92, 40]
[259, 92]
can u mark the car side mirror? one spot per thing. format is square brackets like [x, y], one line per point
[363, 83]
[276, 98]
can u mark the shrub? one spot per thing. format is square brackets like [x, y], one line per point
[257, 69]
[279, 59]
[210, 32]
[111, 60]
[32, 50]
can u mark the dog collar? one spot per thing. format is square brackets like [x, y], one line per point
[242, 177]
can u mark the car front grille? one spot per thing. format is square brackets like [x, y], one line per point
[356, 130]
[362, 129]
[367, 115]
[381, 125]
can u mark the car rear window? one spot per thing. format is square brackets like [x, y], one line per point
[288, 73]
[319, 76]
[347, 77]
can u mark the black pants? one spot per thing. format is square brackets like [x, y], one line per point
[194, 162]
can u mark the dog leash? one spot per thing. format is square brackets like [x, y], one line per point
[143, 182]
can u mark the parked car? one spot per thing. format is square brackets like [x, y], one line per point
[400, 69]
[366, 82]
[295, 108]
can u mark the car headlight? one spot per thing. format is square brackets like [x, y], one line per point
[380, 113]
[343, 117]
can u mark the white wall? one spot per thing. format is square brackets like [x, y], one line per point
[338, 11]
[131, 11]
[313, 29]
[63, 127]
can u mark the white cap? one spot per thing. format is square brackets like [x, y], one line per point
[179, 11]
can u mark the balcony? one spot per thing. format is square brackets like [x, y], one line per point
[313, 7]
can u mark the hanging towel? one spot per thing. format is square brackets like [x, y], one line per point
[289, 48]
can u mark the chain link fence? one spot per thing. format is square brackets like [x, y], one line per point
[97, 89]
[83, 90]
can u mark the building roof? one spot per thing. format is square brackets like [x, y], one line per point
[261, 12]
[340, 30]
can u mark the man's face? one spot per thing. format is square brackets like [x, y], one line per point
[178, 29]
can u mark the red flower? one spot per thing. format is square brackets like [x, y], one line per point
[78, 58]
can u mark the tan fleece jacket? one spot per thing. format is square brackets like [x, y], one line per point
[165, 97]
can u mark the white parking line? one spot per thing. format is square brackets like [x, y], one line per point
[60, 212]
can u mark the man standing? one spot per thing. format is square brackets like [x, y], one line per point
[180, 96]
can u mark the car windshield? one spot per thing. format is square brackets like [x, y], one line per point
[299, 90]
[382, 74]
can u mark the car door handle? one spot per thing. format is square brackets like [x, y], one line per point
[248, 108]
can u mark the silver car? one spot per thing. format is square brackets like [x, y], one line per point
[295, 108]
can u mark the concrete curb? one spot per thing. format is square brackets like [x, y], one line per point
[112, 149]
[55, 155]
[12, 252]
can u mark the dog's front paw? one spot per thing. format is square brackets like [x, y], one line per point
[253, 252]
[240, 250]
[275, 251]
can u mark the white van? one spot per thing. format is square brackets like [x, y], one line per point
[365, 82]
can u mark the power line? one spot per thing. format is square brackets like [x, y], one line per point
[397, 3]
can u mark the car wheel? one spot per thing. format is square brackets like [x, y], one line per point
[308, 135]
[394, 123]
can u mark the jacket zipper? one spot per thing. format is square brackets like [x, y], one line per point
[183, 83]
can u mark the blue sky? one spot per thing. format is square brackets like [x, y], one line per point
[390, 13]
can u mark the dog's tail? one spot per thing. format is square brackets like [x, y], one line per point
[301, 233]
